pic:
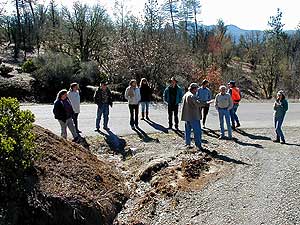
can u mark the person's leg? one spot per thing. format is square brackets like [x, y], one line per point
[105, 115]
[231, 112]
[276, 132]
[63, 127]
[205, 112]
[170, 115]
[176, 116]
[143, 106]
[221, 120]
[136, 115]
[236, 118]
[187, 132]
[279, 130]
[99, 114]
[75, 120]
[131, 108]
[196, 125]
[227, 118]
[147, 110]
[71, 127]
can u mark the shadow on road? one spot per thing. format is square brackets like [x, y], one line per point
[180, 133]
[114, 142]
[247, 144]
[214, 154]
[290, 144]
[144, 136]
[157, 126]
[252, 136]
[211, 133]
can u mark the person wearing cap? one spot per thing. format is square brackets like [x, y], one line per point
[223, 104]
[280, 109]
[74, 97]
[133, 95]
[103, 99]
[173, 96]
[235, 94]
[204, 95]
[191, 115]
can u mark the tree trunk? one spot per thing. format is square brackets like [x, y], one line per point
[18, 33]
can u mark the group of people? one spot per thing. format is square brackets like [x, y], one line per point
[195, 107]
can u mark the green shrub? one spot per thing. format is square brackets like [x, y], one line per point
[28, 66]
[54, 72]
[16, 138]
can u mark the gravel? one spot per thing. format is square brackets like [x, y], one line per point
[262, 189]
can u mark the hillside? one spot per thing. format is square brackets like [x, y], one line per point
[69, 186]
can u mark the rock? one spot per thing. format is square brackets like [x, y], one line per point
[152, 168]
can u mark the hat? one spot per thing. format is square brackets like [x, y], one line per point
[193, 85]
[232, 82]
[173, 79]
[280, 92]
[204, 82]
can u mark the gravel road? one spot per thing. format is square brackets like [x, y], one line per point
[252, 115]
[265, 191]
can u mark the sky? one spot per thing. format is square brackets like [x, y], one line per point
[251, 15]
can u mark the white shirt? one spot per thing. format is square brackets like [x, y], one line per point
[74, 98]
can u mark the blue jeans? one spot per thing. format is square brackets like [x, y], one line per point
[195, 125]
[102, 109]
[278, 123]
[233, 115]
[225, 113]
[145, 105]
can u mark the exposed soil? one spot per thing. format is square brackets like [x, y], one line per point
[72, 186]
[173, 185]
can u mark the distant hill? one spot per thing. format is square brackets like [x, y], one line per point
[236, 32]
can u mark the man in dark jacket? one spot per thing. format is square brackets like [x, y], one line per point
[173, 96]
[103, 98]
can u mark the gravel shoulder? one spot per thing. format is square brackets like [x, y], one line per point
[249, 180]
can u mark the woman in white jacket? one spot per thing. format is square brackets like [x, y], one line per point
[132, 94]
[74, 97]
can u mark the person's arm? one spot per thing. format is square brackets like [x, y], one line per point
[96, 96]
[209, 95]
[230, 103]
[285, 105]
[180, 94]
[138, 94]
[165, 98]
[126, 94]
[198, 102]
[216, 102]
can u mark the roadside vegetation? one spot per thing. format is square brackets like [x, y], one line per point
[84, 44]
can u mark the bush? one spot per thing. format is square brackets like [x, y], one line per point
[54, 72]
[16, 138]
[28, 66]
[5, 70]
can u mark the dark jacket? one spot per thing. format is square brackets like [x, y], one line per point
[98, 96]
[146, 93]
[179, 95]
[59, 111]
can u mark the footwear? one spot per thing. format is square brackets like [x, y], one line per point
[189, 146]
[147, 116]
[222, 138]
[282, 142]
[143, 115]
[106, 128]
[76, 140]
[132, 127]
[233, 127]
[170, 127]
[78, 132]
[238, 125]
[97, 130]
[176, 127]
[276, 141]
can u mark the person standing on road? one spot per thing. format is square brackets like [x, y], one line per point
[74, 97]
[236, 98]
[146, 94]
[132, 94]
[204, 95]
[173, 96]
[223, 104]
[280, 109]
[191, 114]
[103, 99]
[63, 112]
